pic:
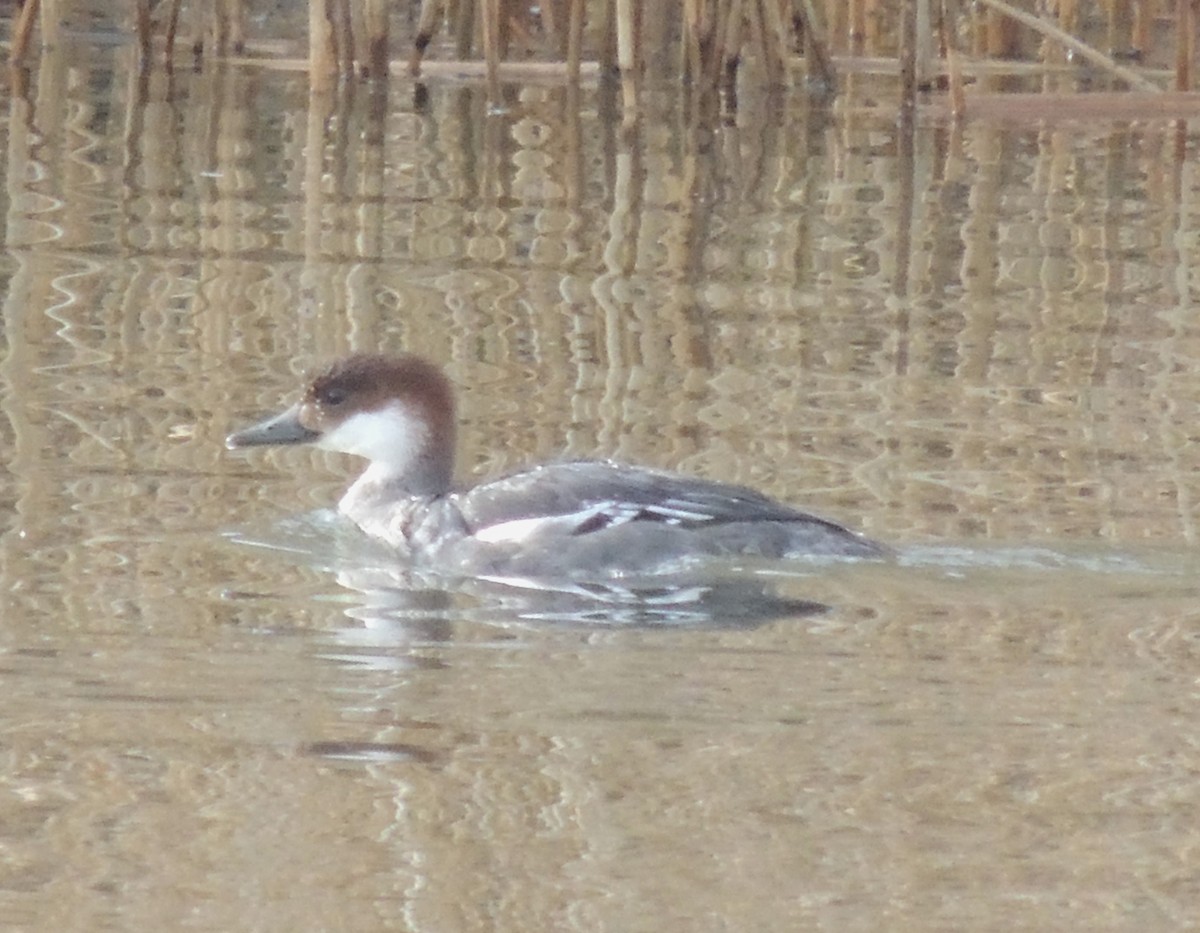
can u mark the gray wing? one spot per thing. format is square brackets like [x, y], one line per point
[584, 496]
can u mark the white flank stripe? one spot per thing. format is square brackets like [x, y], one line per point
[522, 529]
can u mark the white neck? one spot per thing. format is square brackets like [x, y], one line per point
[374, 492]
[405, 460]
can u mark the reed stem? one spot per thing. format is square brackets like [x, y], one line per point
[23, 30]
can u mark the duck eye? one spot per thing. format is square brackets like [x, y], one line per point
[333, 397]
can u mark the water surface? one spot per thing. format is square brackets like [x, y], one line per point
[978, 343]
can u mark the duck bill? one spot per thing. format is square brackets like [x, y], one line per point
[283, 428]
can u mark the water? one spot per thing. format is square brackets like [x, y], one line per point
[223, 712]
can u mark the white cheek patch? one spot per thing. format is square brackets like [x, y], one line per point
[388, 435]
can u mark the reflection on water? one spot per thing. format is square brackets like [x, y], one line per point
[975, 342]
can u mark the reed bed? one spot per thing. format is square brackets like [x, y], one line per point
[709, 46]
[490, 249]
[359, 227]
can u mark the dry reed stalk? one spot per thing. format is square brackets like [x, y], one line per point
[1000, 35]
[658, 27]
[51, 20]
[322, 53]
[1068, 15]
[779, 38]
[1144, 12]
[628, 58]
[730, 45]
[923, 42]
[172, 28]
[872, 22]
[427, 21]
[23, 31]
[574, 39]
[908, 53]
[758, 39]
[375, 17]
[691, 39]
[607, 52]
[1050, 31]
[1124, 24]
[490, 22]
[906, 171]
[239, 26]
[816, 47]
[343, 42]
[1185, 34]
[509, 22]
[235, 26]
[949, 20]
[463, 19]
[627, 37]
[958, 100]
[858, 26]
[712, 52]
[555, 37]
[1052, 52]
[219, 27]
[142, 27]
[976, 32]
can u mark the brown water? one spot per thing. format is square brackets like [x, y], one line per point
[978, 343]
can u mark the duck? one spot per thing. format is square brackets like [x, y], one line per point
[570, 520]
